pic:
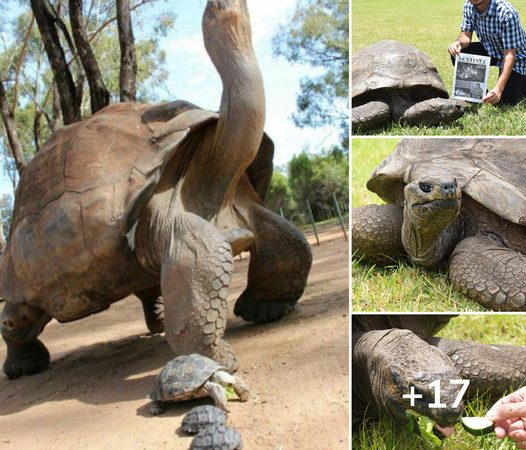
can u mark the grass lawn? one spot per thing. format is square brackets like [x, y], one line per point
[402, 287]
[431, 27]
[485, 328]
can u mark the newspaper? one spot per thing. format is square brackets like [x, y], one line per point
[471, 77]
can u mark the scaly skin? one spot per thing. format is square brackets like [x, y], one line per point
[486, 270]
[280, 262]
[371, 115]
[386, 363]
[490, 368]
[376, 234]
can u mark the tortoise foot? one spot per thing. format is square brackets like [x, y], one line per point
[261, 311]
[155, 316]
[224, 354]
[156, 408]
[28, 358]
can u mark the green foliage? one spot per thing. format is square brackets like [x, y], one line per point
[410, 22]
[280, 196]
[318, 34]
[316, 177]
[312, 177]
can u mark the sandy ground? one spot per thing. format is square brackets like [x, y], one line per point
[102, 368]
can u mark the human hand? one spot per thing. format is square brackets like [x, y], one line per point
[509, 416]
[454, 49]
[493, 96]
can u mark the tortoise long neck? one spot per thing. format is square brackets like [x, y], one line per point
[238, 134]
[429, 243]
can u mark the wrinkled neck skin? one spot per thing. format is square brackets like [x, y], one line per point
[239, 130]
[386, 363]
[429, 239]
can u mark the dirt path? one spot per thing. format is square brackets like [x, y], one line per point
[94, 394]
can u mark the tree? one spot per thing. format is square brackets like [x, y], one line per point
[35, 96]
[316, 177]
[318, 34]
[47, 24]
[128, 72]
[279, 195]
[99, 95]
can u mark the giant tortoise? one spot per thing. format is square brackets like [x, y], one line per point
[391, 353]
[392, 81]
[455, 204]
[151, 200]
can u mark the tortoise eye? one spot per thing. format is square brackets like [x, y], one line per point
[426, 187]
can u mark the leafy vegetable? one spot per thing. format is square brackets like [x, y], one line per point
[230, 393]
[425, 426]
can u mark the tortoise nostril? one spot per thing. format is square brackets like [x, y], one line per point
[449, 188]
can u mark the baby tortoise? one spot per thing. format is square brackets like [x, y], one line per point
[194, 376]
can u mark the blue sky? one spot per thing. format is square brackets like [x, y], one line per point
[192, 76]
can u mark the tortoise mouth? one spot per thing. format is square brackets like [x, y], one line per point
[436, 205]
[439, 431]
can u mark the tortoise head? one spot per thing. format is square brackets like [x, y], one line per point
[403, 364]
[431, 204]
[432, 201]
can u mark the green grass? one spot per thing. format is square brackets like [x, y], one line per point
[400, 287]
[485, 328]
[431, 27]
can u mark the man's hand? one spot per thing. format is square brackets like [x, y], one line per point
[454, 49]
[493, 96]
[508, 414]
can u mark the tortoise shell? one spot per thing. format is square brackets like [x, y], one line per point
[202, 416]
[217, 437]
[181, 377]
[391, 65]
[81, 195]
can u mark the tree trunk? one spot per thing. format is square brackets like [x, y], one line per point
[99, 95]
[57, 59]
[10, 127]
[57, 113]
[128, 72]
[36, 128]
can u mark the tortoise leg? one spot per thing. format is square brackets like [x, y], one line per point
[370, 116]
[20, 325]
[280, 262]
[217, 392]
[490, 368]
[484, 269]
[377, 234]
[195, 274]
[239, 387]
[434, 111]
[157, 407]
[153, 307]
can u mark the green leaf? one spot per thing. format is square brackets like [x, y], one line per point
[230, 393]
